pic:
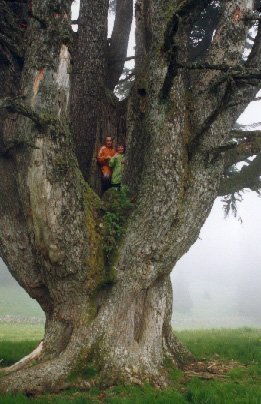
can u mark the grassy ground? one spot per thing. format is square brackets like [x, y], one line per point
[234, 355]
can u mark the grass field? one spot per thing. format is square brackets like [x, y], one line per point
[237, 351]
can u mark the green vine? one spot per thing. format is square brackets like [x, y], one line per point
[118, 208]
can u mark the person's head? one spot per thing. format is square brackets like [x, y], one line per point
[108, 141]
[120, 148]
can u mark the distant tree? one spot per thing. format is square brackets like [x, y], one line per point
[111, 307]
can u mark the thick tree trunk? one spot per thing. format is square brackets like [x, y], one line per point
[114, 316]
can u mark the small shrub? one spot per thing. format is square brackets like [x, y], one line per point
[118, 208]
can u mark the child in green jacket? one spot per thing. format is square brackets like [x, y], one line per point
[117, 164]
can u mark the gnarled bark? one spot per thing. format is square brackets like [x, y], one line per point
[114, 314]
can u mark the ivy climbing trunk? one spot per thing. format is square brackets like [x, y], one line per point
[112, 312]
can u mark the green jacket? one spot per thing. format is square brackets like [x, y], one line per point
[117, 168]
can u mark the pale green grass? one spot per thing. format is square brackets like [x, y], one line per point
[21, 331]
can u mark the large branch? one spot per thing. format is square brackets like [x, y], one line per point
[176, 39]
[224, 58]
[14, 106]
[242, 151]
[241, 134]
[11, 34]
[223, 74]
[88, 80]
[247, 81]
[248, 177]
[254, 57]
[119, 41]
[191, 6]
[13, 48]
[228, 42]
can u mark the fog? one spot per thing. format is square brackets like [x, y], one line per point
[218, 282]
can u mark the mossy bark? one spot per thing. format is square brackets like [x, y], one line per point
[52, 232]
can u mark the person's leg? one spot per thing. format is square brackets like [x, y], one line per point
[106, 181]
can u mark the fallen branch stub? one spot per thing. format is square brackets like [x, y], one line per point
[15, 145]
[11, 105]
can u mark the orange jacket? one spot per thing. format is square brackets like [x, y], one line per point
[102, 155]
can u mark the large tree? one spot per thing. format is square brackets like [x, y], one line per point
[111, 308]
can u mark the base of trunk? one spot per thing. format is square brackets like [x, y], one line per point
[127, 342]
[61, 373]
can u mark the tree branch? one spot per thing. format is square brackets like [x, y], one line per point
[128, 77]
[16, 144]
[213, 116]
[129, 58]
[254, 57]
[170, 47]
[11, 36]
[238, 71]
[227, 44]
[248, 177]
[240, 134]
[240, 83]
[13, 48]
[186, 6]
[241, 151]
[119, 41]
[13, 106]
[252, 17]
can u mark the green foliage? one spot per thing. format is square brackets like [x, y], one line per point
[117, 210]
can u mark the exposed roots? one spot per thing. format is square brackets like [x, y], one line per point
[175, 350]
[55, 375]
[48, 376]
[25, 362]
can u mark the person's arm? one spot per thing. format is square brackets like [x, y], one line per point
[100, 156]
[112, 161]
